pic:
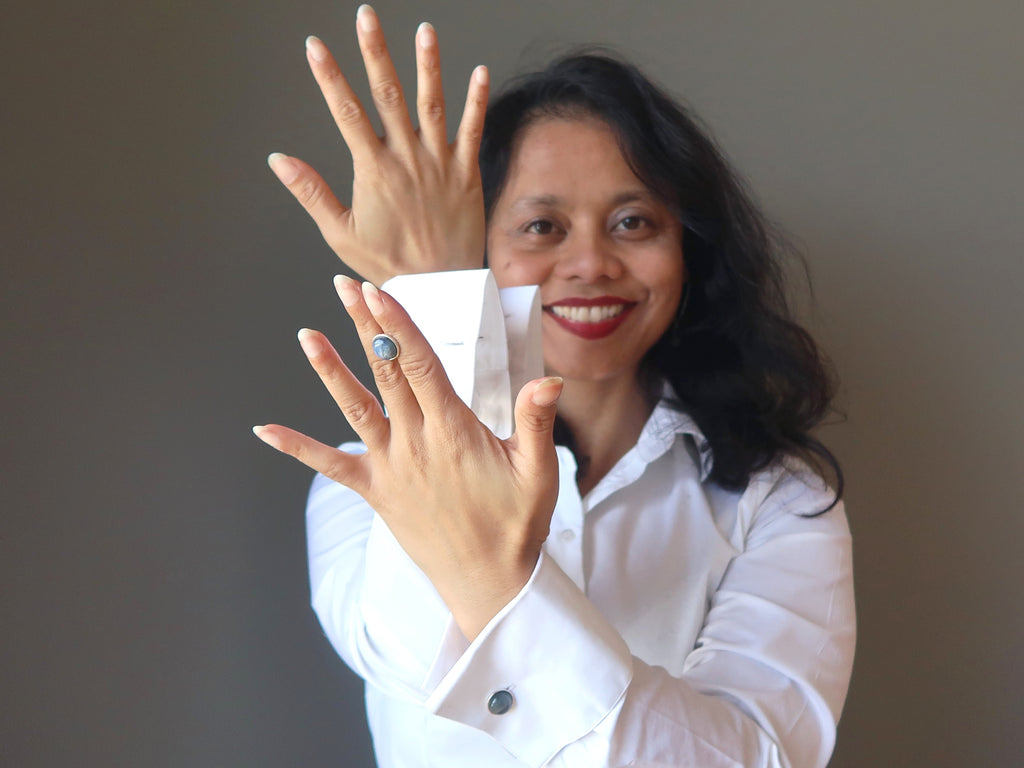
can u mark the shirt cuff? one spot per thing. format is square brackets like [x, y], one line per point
[488, 340]
[564, 665]
[460, 315]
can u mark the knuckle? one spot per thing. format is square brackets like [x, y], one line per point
[335, 470]
[348, 111]
[328, 372]
[298, 450]
[432, 110]
[534, 422]
[419, 370]
[430, 65]
[388, 94]
[360, 413]
[375, 48]
[386, 373]
[309, 192]
[478, 101]
[471, 133]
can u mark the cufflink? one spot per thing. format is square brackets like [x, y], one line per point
[500, 702]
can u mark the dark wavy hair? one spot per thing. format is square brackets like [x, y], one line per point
[751, 378]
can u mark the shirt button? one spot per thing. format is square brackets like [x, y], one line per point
[500, 702]
[567, 535]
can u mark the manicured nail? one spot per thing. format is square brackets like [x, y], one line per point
[372, 298]
[310, 342]
[547, 391]
[366, 18]
[283, 167]
[316, 48]
[426, 35]
[266, 436]
[481, 75]
[348, 290]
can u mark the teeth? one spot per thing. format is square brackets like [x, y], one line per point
[588, 314]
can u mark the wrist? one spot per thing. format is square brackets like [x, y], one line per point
[483, 597]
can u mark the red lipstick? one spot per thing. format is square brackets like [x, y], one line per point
[590, 318]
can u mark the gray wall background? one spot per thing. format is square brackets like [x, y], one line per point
[153, 595]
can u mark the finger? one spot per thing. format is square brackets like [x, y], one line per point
[313, 194]
[395, 392]
[429, 92]
[345, 468]
[420, 367]
[346, 109]
[536, 407]
[471, 127]
[357, 404]
[384, 85]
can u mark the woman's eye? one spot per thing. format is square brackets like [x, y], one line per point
[540, 227]
[632, 222]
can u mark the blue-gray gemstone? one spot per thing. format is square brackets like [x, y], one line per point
[500, 702]
[385, 347]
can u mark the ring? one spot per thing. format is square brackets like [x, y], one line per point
[385, 347]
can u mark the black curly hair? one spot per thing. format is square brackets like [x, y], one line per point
[751, 378]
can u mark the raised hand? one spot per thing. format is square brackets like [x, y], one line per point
[417, 204]
[470, 509]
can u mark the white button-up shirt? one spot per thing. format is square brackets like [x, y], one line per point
[668, 622]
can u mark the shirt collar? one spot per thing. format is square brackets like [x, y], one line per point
[662, 428]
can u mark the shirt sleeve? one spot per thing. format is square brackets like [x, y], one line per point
[377, 609]
[764, 686]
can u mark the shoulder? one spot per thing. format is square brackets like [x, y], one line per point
[789, 496]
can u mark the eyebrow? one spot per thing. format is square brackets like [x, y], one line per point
[553, 201]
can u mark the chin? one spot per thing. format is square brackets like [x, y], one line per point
[587, 371]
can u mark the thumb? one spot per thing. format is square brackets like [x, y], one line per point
[536, 406]
[312, 192]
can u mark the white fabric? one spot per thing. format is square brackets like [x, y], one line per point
[668, 622]
[488, 342]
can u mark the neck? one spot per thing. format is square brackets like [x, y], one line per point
[606, 418]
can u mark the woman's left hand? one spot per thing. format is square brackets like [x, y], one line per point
[417, 201]
[470, 509]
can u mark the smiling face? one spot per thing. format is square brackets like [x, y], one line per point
[607, 254]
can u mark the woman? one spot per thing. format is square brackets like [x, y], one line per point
[676, 589]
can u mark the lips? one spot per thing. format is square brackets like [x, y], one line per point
[590, 318]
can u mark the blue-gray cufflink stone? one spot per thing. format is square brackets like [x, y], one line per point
[385, 347]
[500, 702]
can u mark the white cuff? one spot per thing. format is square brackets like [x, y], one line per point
[564, 664]
[487, 341]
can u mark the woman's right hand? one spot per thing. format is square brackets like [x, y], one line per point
[470, 509]
[417, 201]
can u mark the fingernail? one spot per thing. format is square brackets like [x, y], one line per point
[372, 298]
[283, 167]
[547, 391]
[481, 75]
[366, 18]
[266, 436]
[348, 290]
[310, 342]
[316, 48]
[427, 35]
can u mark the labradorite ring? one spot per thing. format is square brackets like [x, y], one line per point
[385, 347]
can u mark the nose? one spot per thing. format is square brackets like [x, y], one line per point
[589, 256]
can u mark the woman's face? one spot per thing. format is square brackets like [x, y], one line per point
[607, 254]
